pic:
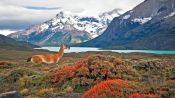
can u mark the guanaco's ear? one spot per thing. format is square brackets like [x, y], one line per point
[68, 46]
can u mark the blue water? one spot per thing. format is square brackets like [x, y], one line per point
[85, 49]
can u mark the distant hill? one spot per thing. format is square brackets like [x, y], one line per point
[150, 25]
[9, 43]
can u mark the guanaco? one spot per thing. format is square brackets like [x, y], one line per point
[49, 58]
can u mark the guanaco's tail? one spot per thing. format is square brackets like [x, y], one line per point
[29, 59]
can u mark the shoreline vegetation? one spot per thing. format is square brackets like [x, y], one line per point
[141, 75]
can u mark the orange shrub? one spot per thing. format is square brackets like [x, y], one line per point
[110, 89]
[68, 72]
[95, 69]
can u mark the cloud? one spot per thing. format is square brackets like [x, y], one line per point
[23, 13]
[19, 17]
[42, 8]
[6, 32]
[17, 24]
[15, 12]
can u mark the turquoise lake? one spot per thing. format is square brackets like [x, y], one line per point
[85, 49]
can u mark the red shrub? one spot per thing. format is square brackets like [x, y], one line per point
[95, 68]
[109, 89]
[137, 95]
[68, 72]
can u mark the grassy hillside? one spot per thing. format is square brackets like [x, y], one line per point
[82, 71]
[9, 43]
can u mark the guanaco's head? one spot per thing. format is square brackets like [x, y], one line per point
[65, 46]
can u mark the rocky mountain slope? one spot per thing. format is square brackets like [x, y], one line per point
[149, 25]
[66, 28]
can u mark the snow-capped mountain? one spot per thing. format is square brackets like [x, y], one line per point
[150, 25]
[73, 28]
[106, 17]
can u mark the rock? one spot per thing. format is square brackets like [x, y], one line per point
[11, 94]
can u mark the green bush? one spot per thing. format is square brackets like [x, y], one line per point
[17, 73]
[2, 80]
[33, 81]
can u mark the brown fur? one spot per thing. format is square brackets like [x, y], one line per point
[5, 63]
[49, 58]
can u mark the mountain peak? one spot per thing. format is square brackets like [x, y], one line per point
[114, 11]
[67, 27]
[60, 14]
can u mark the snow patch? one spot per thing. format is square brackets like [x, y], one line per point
[142, 20]
[170, 15]
[126, 16]
[131, 11]
[44, 27]
[55, 21]
[79, 27]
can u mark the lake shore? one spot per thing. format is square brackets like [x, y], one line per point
[93, 49]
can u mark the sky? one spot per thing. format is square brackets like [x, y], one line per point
[20, 14]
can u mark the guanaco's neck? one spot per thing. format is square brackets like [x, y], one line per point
[60, 52]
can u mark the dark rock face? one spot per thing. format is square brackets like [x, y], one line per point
[117, 32]
[149, 25]
[158, 35]
[12, 94]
